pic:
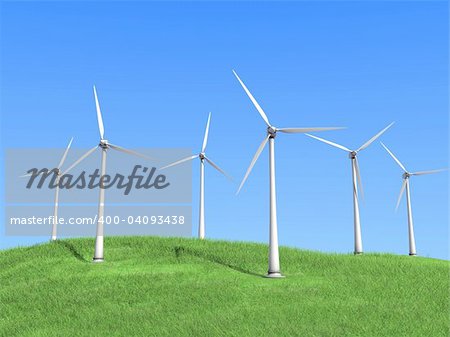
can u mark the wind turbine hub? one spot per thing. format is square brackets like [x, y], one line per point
[406, 175]
[352, 155]
[201, 155]
[103, 143]
[272, 131]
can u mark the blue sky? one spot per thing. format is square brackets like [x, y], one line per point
[161, 67]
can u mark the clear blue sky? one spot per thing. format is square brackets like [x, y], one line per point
[161, 67]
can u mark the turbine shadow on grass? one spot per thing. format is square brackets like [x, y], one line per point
[179, 251]
[71, 248]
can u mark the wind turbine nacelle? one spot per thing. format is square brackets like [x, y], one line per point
[352, 155]
[103, 143]
[271, 131]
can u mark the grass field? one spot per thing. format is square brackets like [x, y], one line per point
[185, 287]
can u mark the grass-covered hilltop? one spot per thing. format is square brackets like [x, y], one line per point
[151, 286]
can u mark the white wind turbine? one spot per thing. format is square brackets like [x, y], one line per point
[104, 145]
[274, 260]
[405, 185]
[202, 157]
[356, 181]
[58, 177]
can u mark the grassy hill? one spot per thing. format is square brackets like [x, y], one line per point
[185, 287]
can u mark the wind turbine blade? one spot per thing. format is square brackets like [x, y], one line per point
[127, 151]
[99, 115]
[255, 103]
[371, 140]
[217, 168]
[205, 138]
[304, 130]
[179, 161]
[394, 157]
[329, 143]
[83, 157]
[419, 173]
[65, 154]
[358, 177]
[402, 190]
[255, 158]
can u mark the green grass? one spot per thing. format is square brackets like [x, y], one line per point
[185, 287]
